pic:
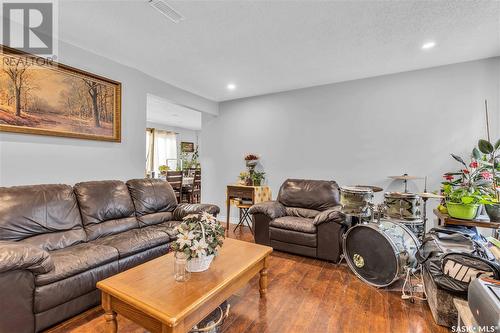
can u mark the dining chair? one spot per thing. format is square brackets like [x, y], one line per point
[193, 191]
[175, 180]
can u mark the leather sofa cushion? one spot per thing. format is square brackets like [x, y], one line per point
[142, 257]
[310, 194]
[46, 216]
[106, 208]
[293, 237]
[133, 241]
[167, 227]
[53, 294]
[154, 218]
[301, 212]
[76, 259]
[299, 224]
[151, 196]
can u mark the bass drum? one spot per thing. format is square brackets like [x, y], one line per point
[380, 253]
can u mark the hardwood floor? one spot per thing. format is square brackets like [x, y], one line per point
[304, 295]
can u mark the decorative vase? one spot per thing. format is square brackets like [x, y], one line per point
[199, 264]
[180, 267]
[493, 212]
[462, 211]
[251, 163]
[257, 182]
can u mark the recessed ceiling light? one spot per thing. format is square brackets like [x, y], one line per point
[231, 86]
[428, 45]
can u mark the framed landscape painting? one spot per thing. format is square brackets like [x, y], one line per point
[39, 96]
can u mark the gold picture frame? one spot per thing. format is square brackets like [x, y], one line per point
[40, 96]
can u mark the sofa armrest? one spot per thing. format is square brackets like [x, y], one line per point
[272, 209]
[19, 256]
[182, 210]
[330, 215]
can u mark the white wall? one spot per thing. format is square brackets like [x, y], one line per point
[356, 132]
[35, 159]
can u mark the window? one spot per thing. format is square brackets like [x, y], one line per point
[161, 149]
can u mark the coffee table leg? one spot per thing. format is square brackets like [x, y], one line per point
[263, 279]
[109, 314]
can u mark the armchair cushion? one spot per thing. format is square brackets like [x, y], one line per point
[329, 215]
[310, 194]
[294, 223]
[185, 209]
[19, 256]
[301, 212]
[273, 209]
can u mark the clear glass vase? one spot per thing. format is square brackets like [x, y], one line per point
[180, 263]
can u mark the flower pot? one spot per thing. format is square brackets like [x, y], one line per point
[257, 183]
[200, 264]
[462, 211]
[493, 212]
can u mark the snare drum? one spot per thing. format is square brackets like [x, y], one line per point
[356, 200]
[405, 206]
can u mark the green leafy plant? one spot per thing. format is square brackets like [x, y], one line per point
[464, 195]
[473, 175]
[491, 151]
[198, 235]
[258, 177]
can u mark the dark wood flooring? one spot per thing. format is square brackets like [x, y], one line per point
[305, 295]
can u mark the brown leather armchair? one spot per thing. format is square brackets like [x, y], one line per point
[305, 219]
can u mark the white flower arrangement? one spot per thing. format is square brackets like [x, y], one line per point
[198, 235]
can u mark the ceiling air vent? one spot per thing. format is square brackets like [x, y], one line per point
[166, 10]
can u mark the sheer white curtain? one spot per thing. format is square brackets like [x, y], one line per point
[161, 149]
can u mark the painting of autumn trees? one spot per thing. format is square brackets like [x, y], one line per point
[53, 99]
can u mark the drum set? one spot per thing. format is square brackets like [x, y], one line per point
[381, 244]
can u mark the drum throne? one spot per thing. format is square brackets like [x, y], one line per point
[305, 219]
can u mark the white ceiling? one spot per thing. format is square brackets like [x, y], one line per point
[269, 46]
[161, 111]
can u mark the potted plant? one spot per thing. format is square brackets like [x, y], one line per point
[199, 237]
[490, 163]
[258, 177]
[462, 202]
[466, 189]
[163, 169]
[243, 178]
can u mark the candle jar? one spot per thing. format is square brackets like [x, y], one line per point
[180, 263]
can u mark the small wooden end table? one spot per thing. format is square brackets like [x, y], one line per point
[149, 295]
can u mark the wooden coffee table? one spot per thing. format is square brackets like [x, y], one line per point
[149, 295]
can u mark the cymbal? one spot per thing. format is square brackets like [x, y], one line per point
[373, 188]
[405, 177]
[430, 195]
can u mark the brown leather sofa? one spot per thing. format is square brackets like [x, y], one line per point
[305, 219]
[58, 241]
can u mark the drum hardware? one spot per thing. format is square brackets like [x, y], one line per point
[405, 178]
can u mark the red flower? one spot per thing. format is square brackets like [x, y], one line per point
[448, 177]
[465, 171]
[473, 164]
[486, 175]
